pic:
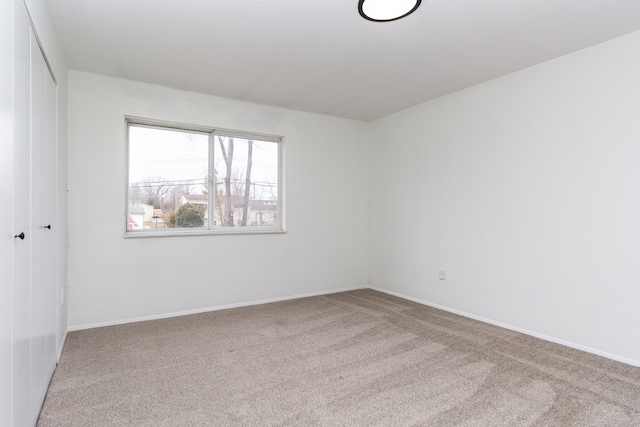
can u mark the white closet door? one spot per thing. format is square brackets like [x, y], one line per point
[6, 212]
[39, 234]
[21, 219]
[33, 321]
[51, 200]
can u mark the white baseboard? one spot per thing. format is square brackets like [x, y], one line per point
[333, 291]
[515, 328]
[206, 309]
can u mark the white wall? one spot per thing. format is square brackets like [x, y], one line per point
[524, 188]
[527, 190]
[112, 279]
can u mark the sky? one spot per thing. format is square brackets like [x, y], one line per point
[174, 155]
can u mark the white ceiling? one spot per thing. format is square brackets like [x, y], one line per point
[320, 55]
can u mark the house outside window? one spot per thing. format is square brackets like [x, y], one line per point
[186, 179]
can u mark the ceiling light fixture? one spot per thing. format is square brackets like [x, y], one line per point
[386, 10]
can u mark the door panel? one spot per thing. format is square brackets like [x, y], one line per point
[6, 212]
[39, 235]
[21, 218]
[51, 200]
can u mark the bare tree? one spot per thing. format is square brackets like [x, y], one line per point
[135, 194]
[154, 191]
[237, 185]
[175, 193]
[227, 209]
[247, 184]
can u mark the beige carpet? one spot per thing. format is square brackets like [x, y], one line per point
[360, 358]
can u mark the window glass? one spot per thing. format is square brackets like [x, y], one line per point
[190, 180]
[246, 182]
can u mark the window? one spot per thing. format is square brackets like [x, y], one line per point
[195, 180]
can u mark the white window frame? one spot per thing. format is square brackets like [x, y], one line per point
[209, 228]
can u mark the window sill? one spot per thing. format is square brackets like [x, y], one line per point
[184, 233]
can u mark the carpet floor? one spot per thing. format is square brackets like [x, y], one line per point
[360, 358]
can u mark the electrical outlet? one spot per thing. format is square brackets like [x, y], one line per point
[442, 274]
[415, 269]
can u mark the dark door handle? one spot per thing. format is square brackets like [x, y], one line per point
[21, 236]
[47, 226]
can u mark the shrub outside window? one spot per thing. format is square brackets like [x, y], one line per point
[185, 179]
